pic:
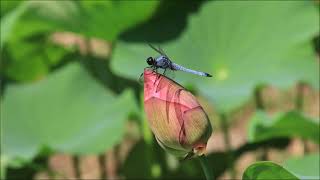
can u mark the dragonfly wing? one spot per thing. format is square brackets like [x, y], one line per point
[162, 52]
[154, 48]
[169, 73]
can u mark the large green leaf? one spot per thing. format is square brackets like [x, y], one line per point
[8, 5]
[306, 167]
[9, 21]
[292, 124]
[27, 53]
[68, 111]
[101, 19]
[267, 170]
[242, 44]
[29, 59]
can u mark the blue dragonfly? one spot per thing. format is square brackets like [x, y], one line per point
[165, 63]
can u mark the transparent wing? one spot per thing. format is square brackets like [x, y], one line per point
[154, 48]
[169, 73]
[162, 52]
[159, 50]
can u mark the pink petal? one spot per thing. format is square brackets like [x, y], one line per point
[174, 115]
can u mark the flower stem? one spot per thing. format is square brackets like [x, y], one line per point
[206, 168]
[300, 106]
[230, 155]
[260, 105]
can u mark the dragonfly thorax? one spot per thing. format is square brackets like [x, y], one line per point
[162, 62]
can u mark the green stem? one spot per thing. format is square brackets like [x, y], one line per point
[300, 96]
[76, 164]
[206, 168]
[225, 130]
[299, 107]
[261, 106]
[102, 163]
[258, 98]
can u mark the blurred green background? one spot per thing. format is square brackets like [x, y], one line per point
[71, 103]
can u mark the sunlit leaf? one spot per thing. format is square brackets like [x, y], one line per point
[101, 19]
[9, 20]
[242, 44]
[29, 60]
[68, 112]
[306, 167]
[28, 53]
[8, 5]
[267, 170]
[291, 124]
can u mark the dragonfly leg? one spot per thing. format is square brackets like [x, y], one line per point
[164, 72]
[158, 75]
[140, 78]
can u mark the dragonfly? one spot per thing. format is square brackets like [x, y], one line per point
[164, 62]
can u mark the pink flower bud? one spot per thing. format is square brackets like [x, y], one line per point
[177, 120]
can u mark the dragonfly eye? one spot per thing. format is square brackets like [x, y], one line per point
[150, 61]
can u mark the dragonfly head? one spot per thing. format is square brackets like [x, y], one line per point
[150, 61]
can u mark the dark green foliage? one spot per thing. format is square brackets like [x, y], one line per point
[59, 99]
[267, 170]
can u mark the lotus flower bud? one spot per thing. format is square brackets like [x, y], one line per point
[177, 120]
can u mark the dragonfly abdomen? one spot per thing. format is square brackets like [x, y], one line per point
[175, 66]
